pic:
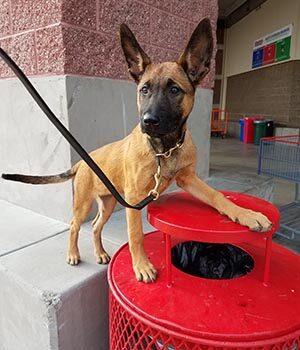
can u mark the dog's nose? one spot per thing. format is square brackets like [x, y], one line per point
[150, 120]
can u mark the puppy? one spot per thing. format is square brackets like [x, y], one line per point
[165, 97]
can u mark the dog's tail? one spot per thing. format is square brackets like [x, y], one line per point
[43, 180]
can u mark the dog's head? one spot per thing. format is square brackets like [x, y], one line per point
[165, 91]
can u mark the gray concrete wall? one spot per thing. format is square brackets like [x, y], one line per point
[104, 110]
[29, 144]
[97, 111]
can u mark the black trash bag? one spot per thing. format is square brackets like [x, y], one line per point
[212, 261]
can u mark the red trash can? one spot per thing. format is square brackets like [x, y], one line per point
[249, 128]
[193, 313]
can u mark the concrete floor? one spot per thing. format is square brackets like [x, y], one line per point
[231, 155]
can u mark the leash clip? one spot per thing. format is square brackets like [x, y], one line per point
[154, 192]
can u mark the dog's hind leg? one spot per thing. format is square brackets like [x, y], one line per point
[106, 205]
[82, 207]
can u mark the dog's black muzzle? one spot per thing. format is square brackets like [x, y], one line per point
[156, 126]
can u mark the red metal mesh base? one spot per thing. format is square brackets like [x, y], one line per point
[128, 333]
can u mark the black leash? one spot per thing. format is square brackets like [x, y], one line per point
[69, 137]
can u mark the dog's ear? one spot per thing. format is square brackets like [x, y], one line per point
[196, 57]
[136, 58]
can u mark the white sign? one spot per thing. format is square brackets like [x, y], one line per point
[273, 37]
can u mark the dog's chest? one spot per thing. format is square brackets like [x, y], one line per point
[170, 167]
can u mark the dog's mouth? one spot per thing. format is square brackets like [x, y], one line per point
[154, 134]
[160, 131]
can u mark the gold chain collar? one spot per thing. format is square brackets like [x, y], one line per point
[157, 176]
[168, 153]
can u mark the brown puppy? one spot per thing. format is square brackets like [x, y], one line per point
[165, 97]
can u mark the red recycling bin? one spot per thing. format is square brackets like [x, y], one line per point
[249, 128]
[184, 312]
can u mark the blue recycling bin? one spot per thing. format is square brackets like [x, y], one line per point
[242, 130]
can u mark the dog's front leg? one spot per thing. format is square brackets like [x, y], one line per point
[143, 269]
[190, 182]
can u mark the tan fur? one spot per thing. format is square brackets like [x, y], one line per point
[130, 163]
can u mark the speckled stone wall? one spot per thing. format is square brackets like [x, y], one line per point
[48, 37]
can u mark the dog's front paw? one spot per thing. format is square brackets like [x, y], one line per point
[254, 220]
[144, 271]
[102, 258]
[73, 257]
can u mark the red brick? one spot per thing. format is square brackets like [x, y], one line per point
[21, 49]
[31, 14]
[165, 5]
[50, 50]
[111, 14]
[84, 52]
[195, 10]
[4, 18]
[90, 53]
[158, 55]
[138, 20]
[114, 12]
[162, 28]
[115, 64]
[79, 12]
[209, 9]
[189, 9]
[168, 31]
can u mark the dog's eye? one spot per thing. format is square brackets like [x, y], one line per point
[145, 90]
[174, 90]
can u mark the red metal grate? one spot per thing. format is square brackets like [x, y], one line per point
[129, 333]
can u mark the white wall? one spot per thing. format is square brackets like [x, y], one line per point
[30, 144]
[272, 15]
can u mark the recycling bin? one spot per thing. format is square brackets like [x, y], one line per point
[248, 130]
[242, 129]
[262, 128]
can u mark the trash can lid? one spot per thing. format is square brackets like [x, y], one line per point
[178, 214]
[262, 121]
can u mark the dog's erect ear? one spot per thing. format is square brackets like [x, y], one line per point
[135, 56]
[196, 57]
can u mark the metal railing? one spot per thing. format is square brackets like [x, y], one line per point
[279, 157]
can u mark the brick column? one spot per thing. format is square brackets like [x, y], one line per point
[80, 37]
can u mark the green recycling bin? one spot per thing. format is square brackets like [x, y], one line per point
[262, 128]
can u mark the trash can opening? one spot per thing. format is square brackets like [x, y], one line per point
[211, 261]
